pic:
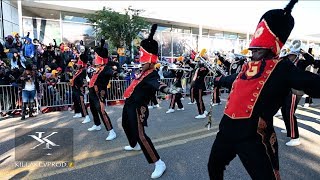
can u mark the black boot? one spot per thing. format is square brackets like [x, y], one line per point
[24, 109]
[30, 109]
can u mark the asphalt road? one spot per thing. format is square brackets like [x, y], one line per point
[182, 141]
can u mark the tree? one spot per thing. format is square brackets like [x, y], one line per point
[119, 29]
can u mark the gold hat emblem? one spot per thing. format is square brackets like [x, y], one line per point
[258, 33]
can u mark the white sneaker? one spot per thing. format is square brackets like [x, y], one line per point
[112, 135]
[206, 113]
[304, 96]
[129, 148]
[77, 115]
[159, 169]
[182, 109]
[214, 104]
[150, 107]
[86, 120]
[202, 116]
[294, 142]
[95, 128]
[278, 113]
[192, 103]
[170, 111]
[156, 106]
[284, 131]
[306, 105]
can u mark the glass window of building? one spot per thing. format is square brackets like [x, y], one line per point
[42, 29]
[181, 43]
[205, 32]
[166, 42]
[73, 17]
[195, 30]
[74, 32]
[164, 28]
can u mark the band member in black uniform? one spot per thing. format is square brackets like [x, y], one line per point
[78, 89]
[216, 94]
[199, 86]
[97, 91]
[292, 100]
[257, 92]
[135, 111]
[189, 61]
[176, 98]
[308, 99]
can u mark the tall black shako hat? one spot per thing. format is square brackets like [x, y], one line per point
[274, 29]
[101, 54]
[149, 48]
[83, 60]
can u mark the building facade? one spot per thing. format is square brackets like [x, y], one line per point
[69, 25]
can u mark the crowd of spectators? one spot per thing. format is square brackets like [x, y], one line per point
[53, 63]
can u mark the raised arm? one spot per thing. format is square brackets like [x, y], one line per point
[225, 81]
[160, 86]
[302, 80]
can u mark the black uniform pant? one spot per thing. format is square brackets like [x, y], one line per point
[216, 95]
[97, 108]
[290, 120]
[198, 93]
[259, 155]
[192, 94]
[176, 98]
[154, 100]
[78, 102]
[134, 118]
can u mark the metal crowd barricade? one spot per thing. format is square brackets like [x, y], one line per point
[116, 89]
[168, 82]
[10, 98]
[60, 94]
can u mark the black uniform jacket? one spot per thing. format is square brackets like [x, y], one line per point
[177, 80]
[199, 81]
[100, 80]
[78, 78]
[146, 89]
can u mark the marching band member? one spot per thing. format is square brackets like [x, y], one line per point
[190, 74]
[176, 98]
[97, 91]
[246, 129]
[292, 100]
[135, 111]
[308, 99]
[199, 86]
[77, 84]
[216, 94]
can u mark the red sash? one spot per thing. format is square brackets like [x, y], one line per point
[95, 77]
[75, 76]
[245, 92]
[135, 82]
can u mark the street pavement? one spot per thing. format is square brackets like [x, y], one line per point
[183, 142]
